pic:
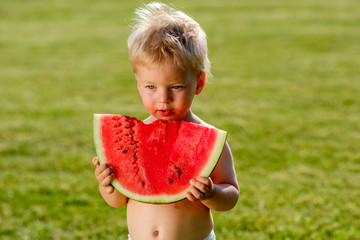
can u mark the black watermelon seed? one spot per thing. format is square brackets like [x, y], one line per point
[125, 150]
[143, 183]
[170, 180]
[126, 116]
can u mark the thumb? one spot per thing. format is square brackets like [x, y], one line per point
[96, 161]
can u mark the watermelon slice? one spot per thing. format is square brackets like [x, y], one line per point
[154, 162]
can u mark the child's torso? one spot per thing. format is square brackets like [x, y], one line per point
[181, 220]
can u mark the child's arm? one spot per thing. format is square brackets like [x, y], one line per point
[104, 175]
[221, 191]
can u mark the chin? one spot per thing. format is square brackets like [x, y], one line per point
[169, 118]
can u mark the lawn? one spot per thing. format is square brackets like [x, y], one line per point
[286, 87]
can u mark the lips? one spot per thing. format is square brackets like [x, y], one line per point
[165, 112]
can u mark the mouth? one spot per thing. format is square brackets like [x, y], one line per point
[165, 112]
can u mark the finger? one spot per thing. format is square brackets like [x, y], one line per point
[210, 188]
[199, 186]
[101, 168]
[190, 197]
[105, 174]
[196, 193]
[205, 180]
[107, 180]
[110, 189]
[96, 161]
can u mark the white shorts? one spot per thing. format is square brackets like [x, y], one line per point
[211, 236]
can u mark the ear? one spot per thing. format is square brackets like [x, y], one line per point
[200, 82]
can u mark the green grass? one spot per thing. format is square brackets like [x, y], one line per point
[285, 87]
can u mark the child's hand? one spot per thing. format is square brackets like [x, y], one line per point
[104, 175]
[202, 188]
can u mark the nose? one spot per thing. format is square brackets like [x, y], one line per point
[165, 96]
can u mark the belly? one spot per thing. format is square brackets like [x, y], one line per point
[181, 220]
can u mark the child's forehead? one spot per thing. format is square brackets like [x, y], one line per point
[156, 73]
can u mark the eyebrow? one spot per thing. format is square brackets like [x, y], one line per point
[148, 82]
[173, 82]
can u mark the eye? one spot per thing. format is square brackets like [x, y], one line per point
[150, 86]
[176, 87]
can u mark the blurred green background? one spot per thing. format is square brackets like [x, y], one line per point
[286, 87]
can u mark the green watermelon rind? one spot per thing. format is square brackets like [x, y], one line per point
[216, 153]
[97, 138]
[158, 198]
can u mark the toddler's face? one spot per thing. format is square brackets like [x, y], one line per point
[166, 92]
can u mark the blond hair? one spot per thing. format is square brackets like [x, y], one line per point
[164, 35]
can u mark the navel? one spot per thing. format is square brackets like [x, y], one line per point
[156, 233]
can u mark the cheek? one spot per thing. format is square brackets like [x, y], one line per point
[187, 98]
[145, 95]
[146, 100]
[149, 102]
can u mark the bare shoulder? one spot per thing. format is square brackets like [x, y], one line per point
[195, 119]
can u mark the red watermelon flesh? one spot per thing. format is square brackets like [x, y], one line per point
[155, 162]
